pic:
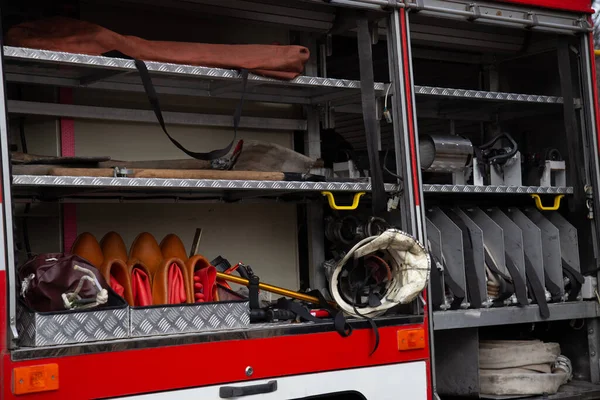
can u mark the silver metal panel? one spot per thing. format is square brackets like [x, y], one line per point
[57, 329]
[188, 318]
[155, 183]
[496, 189]
[501, 14]
[484, 95]
[478, 255]
[444, 153]
[550, 247]
[148, 116]
[254, 331]
[513, 239]
[532, 240]
[493, 236]
[459, 319]
[569, 240]
[457, 362]
[452, 247]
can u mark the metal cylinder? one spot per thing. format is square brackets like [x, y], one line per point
[445, 153]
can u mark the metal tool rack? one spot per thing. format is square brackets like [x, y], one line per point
[316, 93]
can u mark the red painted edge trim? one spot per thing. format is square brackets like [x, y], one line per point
[67, 146]
[106, 375]
[594, 87]
[566, 5]
[3, 312]
[409, 109]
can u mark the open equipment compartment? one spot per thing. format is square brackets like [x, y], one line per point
[476, 79]
[67, 104]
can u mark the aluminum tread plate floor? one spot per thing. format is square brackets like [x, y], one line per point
[150, 184]
[37, 63]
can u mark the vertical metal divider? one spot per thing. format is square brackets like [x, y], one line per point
[532, 241]
[7, 209]
[451, 248]
[476, 234]
[550, 251]
[513, 239]
[404, 104]
[315, 218]
[401, 140]
[590, 92]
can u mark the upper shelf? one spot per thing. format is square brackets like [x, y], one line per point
[487, 96]
[42, 67]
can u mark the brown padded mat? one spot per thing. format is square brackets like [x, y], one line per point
[74, 36]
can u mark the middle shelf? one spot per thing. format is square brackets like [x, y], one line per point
[473, 318]
[65, 186]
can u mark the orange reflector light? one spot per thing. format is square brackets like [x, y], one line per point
[37, 378]
[411, 339]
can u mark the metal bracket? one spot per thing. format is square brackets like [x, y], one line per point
[417, 6]
[540, 206]
[334, 206]
[328, 116]
[583, 23]
[474, 9]
[589, 201]
[531, 16]
[374, 29]
[122, 172]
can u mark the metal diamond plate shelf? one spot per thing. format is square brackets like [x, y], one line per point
[168, 320]
[61, 328]
[200, 185]
[483, 95]
[46, 56]
[155, 183]
[496, 189]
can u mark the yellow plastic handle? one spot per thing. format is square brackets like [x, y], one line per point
[538, 203]
[332, 204]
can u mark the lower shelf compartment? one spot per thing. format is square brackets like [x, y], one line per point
[472, 318]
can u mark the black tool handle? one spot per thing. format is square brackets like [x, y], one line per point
[228, 392]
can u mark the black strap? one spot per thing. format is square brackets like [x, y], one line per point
[552, 287]
[153, 99]
[470, 267]
[506, 287]
[253, 283]
[369, 109]
[339, 321]
[536, 288]
[576, 168]
[458, 292]
[576, 280]
[519, 284]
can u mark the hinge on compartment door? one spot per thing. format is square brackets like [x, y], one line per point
[589, 201]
